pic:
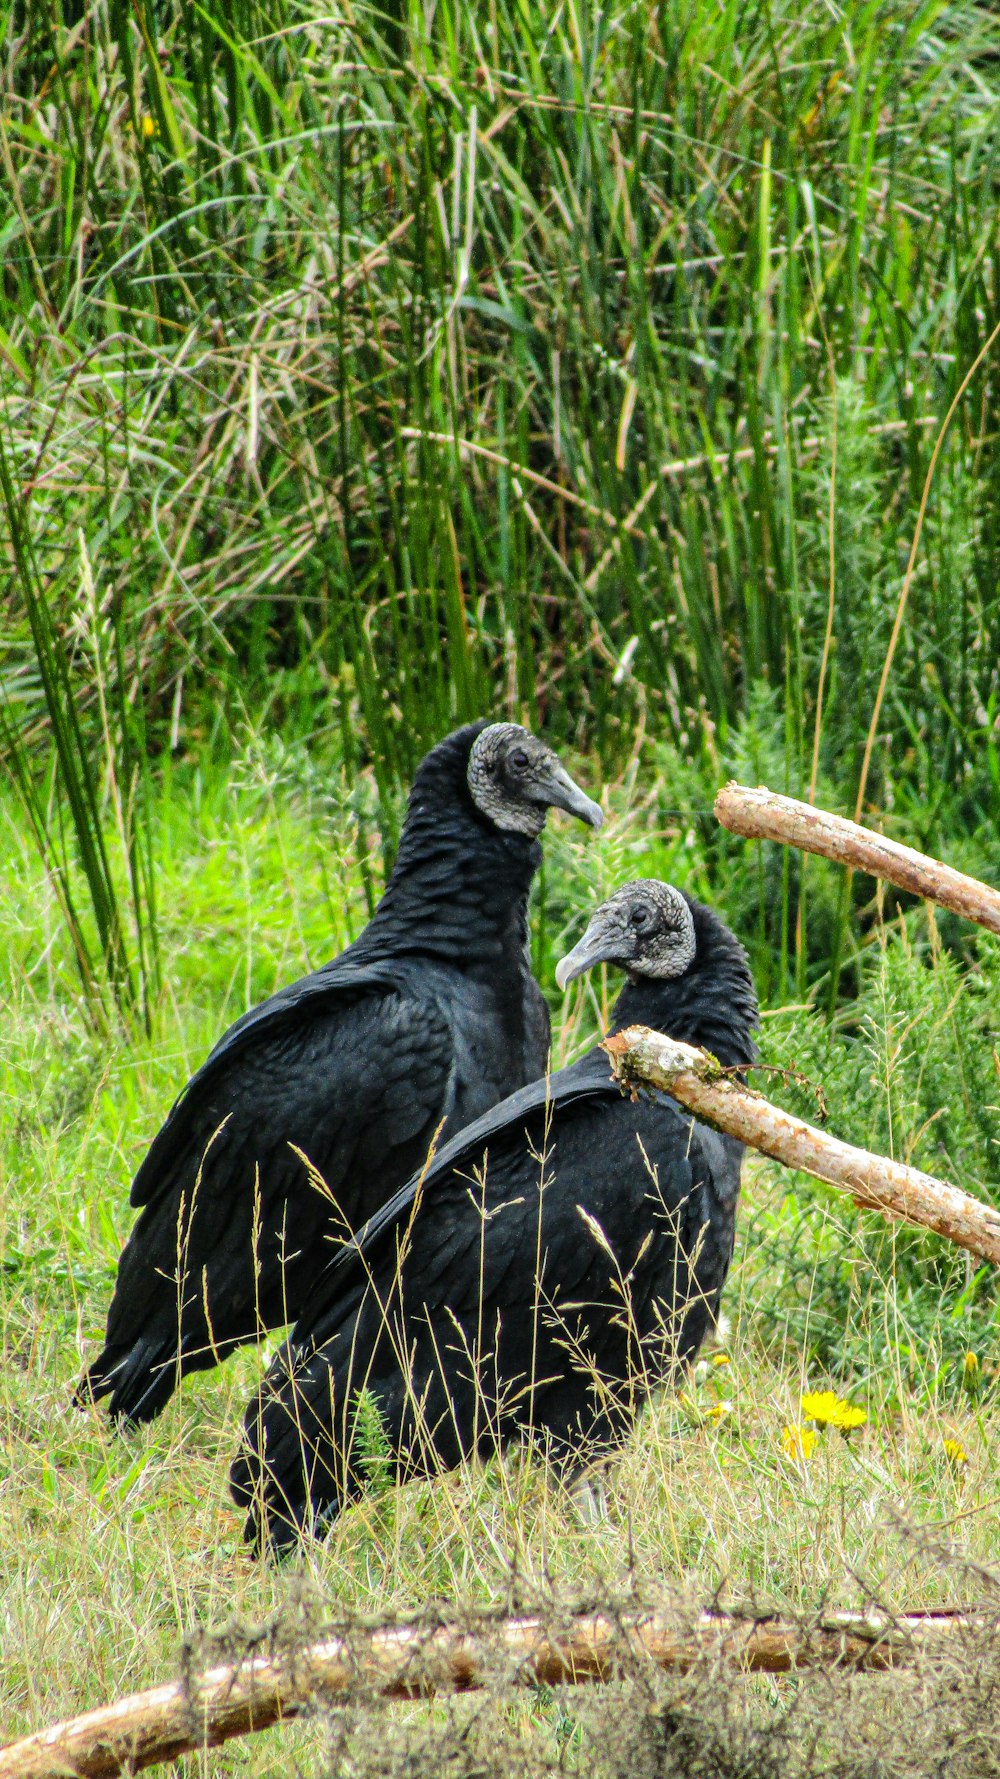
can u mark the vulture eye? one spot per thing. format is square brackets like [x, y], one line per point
[639, 917]
[518, 760]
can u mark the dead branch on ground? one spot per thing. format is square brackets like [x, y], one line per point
[234, 1698]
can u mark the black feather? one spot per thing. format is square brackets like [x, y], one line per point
[440, 1312]
[429, 1018]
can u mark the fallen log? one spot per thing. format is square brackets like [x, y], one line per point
[235, 1698]
[640, 1057]
[764, 815]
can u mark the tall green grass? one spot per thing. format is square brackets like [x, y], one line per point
[586, 364]
[97, 781]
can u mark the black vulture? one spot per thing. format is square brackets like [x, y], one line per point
[430, 1017]
[551, 1265]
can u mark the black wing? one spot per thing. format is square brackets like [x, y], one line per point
[234, 1224]
[495, 1301]
[195, 1115]
[500, 1135]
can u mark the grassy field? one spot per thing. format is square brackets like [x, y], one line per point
[115, 1548]
[628, 370]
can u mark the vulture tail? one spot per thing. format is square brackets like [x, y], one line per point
[140, 1380]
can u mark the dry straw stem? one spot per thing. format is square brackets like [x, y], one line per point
[640, 1056]
[763, 815]
[904, 592]
[235, 1698]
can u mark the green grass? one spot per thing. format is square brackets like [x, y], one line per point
[114, 1548]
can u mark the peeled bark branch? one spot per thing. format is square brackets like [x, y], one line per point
[405, 1662]
[762, 815]
[643, 1057]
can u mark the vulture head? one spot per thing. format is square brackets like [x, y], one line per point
[514, 778]
[645, 928]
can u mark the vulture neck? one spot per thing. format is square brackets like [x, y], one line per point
[459, 887]
[465, 901]
[714, 1003]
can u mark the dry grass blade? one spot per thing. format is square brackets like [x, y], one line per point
[904, 591]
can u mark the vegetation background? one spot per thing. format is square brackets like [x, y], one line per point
[366, 369]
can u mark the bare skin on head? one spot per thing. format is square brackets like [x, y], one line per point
[646, 928]
[514, 779]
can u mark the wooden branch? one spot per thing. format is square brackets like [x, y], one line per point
[405, 1662]
[641, 1056]
[762, 815]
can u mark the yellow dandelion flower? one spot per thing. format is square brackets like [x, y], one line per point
[719, 1410]
[720, 1359]
[970, 1370]
[820, 1405]
[148, 127]
[797, 1442]
[955, 1452]
[848, 1416]
[829, 1410]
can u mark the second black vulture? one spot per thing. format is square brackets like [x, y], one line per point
[553, 1263]
[430, 1017]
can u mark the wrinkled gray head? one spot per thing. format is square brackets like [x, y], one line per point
[514, 778]
[645, 928]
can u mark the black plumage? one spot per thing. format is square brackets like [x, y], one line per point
[430, 1017]
[551, 1266]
